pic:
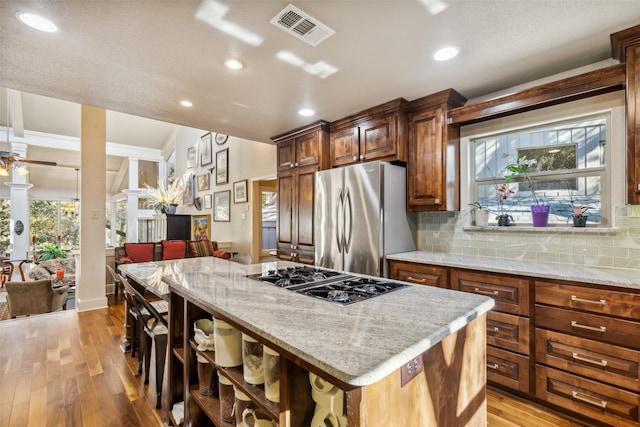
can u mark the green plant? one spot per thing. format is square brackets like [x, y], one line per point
[51, 252]
[477, 206]
[523, 167]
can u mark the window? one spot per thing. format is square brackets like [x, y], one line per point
[570, 167]
[573, 145]
[5, 219]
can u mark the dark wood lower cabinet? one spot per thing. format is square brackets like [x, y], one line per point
[574, 346]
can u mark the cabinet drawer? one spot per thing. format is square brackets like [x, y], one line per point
[600, 328]
[508, 369]
[511, 293]
[589, 398]
[622, 304]
[603, 362]
[508, 331]
[419, 274]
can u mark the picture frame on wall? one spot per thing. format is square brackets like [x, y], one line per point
[205, 149]
[187, 198]
[222, 167]
[201, 227]
[240, 191]
[221, 206]
[203, 182]
[192, 157]
[208, 201]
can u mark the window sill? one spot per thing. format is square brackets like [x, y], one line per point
[552, 229]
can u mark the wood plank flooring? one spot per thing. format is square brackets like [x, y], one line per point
[66, 369]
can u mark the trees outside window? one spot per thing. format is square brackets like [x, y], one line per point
[5, 219]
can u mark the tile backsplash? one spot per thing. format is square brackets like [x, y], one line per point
[444, 232]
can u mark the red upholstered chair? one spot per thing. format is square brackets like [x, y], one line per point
[137, 252]
[173, 249]
[198, 248]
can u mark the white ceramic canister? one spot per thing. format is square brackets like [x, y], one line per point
[252, 368]
[271, 374]
[228, 344]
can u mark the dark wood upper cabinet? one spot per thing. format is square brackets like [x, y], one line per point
[625, 46]
[301, 153]
[378, 133]
[432, 172]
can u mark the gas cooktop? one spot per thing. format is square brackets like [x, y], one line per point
[327, 285]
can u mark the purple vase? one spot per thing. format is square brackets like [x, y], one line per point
[540, 215]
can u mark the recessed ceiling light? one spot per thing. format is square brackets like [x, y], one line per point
[186, 103]
[233, 64]
[445, 54]
[37, 22]
[306, 112]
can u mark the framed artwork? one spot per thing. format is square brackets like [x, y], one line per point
[187, 198]
[240, 191]
[201, 226]
[203, 182]
[222, 166]
[221, 207]
[208, 201]
[205, 149]
[192, 157]
[221, 138]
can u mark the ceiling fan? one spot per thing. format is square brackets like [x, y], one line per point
[9, 160]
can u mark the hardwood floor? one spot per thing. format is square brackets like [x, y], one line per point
[67, 369]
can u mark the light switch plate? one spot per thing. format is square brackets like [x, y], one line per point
[410, 370]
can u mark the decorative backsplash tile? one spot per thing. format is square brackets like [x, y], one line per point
[445, 232]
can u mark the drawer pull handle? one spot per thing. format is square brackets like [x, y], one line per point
[599, 403]
[480, 291]
[600, 362]
[588, 301]
[494, 366]
[414, 280]
[495, 329]
[575, 324]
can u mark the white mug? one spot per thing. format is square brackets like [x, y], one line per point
[257, 417]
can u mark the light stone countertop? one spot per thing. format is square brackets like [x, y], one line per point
[593, 275]
[358, 344]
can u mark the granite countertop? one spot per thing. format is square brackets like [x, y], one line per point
[629, 279]
[358, 344]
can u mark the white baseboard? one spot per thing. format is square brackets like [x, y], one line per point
[89, 305]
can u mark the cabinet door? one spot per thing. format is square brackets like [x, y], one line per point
[178, 227]
[286, 187]
[378, 138]
[286, 155]
[308, 150]
[305, 194]
[426, 168]
[345, 147]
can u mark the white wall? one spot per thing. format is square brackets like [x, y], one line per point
[248, 160]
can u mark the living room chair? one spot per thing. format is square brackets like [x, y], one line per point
[26, 298]
[155, 330]
[200, 248]
[137, 252]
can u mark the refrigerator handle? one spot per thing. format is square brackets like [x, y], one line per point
[348, 215]
[339, 202]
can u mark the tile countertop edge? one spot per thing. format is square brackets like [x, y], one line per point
[622, 278]
[375, 372]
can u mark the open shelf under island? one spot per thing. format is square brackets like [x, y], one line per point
[364, 349]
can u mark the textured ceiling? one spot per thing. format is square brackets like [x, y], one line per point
[143, 57]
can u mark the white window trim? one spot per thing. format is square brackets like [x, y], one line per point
[616, 147]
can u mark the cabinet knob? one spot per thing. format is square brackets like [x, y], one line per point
[292, 165]
[361, 156]
[355, 158]
[436, 201]
[296, 164]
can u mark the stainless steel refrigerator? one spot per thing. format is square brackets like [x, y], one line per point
[360, 217]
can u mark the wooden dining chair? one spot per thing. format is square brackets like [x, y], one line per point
[7, 272]
[154, 331]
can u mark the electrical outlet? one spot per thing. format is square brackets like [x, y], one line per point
[410, 370]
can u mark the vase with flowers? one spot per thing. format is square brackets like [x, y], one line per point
[165, 199]
[504, 192]
[522, 167]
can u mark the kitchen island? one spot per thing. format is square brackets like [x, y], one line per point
[360, 348]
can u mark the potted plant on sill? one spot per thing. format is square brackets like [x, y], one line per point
[165, 200]
[522, 166]
[480, 214]
[504, 192]
[578, 216]
[51, 252]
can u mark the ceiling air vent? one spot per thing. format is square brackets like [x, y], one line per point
[301, 25]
